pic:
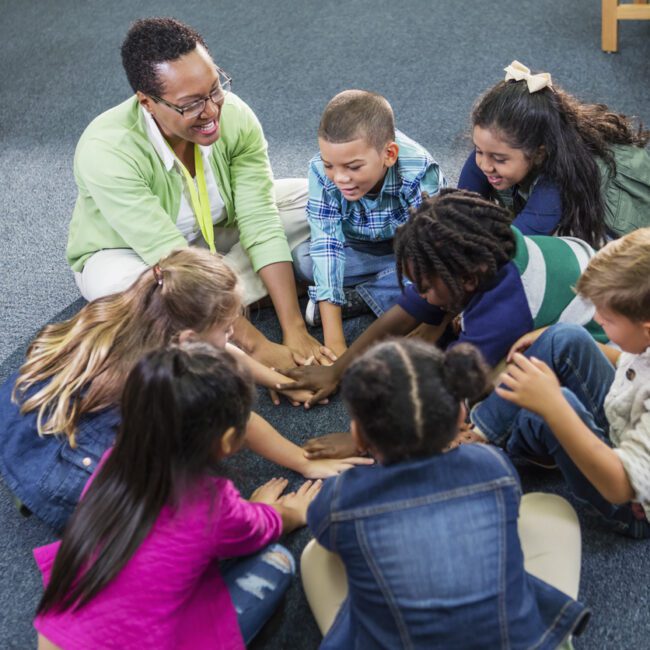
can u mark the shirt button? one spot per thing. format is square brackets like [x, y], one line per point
[630, 374]
[87, 461]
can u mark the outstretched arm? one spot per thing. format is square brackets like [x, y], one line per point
[264, 440]
[323, 380]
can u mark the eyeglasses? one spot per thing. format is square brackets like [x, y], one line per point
[195, 108]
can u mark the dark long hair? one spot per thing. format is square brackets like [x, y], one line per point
[456, 236]
[572, 134]
[405, 395]
[176, 405]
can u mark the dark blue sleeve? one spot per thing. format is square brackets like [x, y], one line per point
[417, 307]
[542, 212]
[473, 179]
[496, 318]
[318, 513]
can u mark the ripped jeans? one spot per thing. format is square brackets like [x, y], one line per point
[257, 584]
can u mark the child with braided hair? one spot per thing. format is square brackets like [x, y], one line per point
[430, 549]
[464, 258]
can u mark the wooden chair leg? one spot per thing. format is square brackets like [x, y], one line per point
[609, 41]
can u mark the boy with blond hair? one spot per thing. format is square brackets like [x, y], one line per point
[361, 186]
[564, 399]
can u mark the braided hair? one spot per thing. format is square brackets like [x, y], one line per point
[457, 236]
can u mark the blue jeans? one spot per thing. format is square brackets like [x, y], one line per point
[369, 267]
[586, 376]
[256, 585]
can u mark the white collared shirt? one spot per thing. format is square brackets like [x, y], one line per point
[186, 220]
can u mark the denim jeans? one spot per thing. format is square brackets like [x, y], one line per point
[369, 267]
[256, 585]
[586, 376]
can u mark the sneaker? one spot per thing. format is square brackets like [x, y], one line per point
[312, 314]
[354, 305]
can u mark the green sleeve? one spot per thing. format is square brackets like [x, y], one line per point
[120, 200]
[260, 229]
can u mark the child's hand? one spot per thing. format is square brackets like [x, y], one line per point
[331, 445]
[326, 467]
[531, 384]
[299, 501]
[523, 343]
[322, 380]
[296, 396]
[270, 492]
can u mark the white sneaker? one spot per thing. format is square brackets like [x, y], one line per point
[312, 314]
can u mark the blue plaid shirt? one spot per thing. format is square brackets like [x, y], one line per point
[331, 217]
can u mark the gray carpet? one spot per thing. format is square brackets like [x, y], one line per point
[431, 58]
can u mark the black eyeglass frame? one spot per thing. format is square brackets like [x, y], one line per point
[225, 86]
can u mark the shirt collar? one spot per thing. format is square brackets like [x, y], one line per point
[160, 144]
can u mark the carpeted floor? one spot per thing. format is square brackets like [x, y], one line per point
[431, 58]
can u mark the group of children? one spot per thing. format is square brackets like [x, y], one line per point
[517, 264]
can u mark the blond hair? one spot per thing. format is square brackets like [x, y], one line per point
[86, 359]
[618, 277]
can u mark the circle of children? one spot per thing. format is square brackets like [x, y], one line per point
[116, 422]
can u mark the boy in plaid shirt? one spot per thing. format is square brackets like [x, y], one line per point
[361, 186]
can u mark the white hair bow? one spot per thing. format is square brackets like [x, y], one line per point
[518, 72]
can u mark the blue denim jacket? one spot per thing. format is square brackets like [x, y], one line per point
[433, 558]
[45, 472]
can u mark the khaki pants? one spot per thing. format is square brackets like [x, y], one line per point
[116, 269]
[550, 541]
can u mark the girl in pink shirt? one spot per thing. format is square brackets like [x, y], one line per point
[138, 565]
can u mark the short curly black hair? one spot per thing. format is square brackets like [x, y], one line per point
[151, 41]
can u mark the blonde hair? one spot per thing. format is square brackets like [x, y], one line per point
[618, 277]
[86, 359]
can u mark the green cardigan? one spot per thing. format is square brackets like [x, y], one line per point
[128, 199]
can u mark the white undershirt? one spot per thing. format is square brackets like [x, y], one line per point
[185, 219]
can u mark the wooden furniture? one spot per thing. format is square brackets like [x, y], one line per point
[613, 11]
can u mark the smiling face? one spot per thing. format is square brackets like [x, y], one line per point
[632, 336]
[192, 76]
[503, 165]
[356, 167]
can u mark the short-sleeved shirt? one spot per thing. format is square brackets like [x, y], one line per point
[533, 290]
[332, 218]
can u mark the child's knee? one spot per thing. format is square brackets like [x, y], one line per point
[302, 262]
[280, 558]
[568, 336]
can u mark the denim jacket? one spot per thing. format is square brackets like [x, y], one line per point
[433, 558]
[45, 472]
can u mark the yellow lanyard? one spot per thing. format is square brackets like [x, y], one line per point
[200, 201]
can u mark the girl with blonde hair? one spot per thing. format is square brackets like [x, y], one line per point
[59, 411]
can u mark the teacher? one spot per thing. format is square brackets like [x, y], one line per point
[184, 162]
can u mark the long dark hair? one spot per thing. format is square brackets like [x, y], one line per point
[457, 236]
[572, 134]
[405, 395]
[176, 405]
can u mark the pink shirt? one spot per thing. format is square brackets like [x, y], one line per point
[170, 594]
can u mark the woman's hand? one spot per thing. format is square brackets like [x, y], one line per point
[331, 445]
[304, 346]
[530, 384]
[321, 380]
[327, 467]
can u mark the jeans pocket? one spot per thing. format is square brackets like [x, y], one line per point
[67, 474]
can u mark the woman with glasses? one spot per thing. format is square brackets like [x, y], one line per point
[184, 162]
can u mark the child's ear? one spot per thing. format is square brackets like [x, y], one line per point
[357, 436]
[391, 152]
[229, 442]
[185, 336]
